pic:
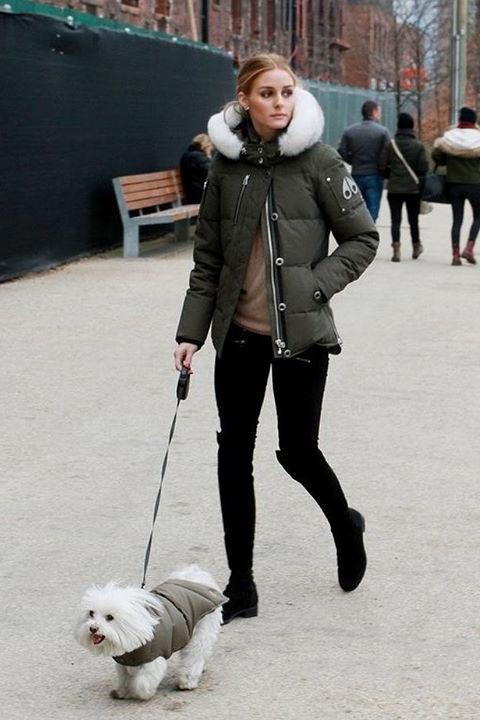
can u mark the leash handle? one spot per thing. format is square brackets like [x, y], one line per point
[183, 384]
[182, 394]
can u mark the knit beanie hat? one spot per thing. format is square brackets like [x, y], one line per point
[466, 114]
[405, 121]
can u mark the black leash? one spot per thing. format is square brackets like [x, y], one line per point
[182, 393]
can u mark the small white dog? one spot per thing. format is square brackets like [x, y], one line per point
[140, 629]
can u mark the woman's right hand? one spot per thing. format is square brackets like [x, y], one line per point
[183, 355]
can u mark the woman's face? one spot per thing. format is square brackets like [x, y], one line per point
[270, 102]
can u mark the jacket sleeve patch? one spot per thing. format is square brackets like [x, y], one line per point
[342, 193]
[349, 188]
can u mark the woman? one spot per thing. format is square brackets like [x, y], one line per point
[194, 167]
[402, 188]
[262, 273]
[459, 150]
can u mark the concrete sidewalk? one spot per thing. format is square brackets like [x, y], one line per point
[87, 391]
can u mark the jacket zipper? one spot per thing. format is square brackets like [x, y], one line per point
[204, 192]
[278, 341]
[240, 198]
[335, 331]
[340, 206]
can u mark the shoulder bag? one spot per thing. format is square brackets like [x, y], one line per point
[425, 206]
[435, 188]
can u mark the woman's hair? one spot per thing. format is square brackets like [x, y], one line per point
[200, 138]
[251, 69]
[203, 140]
[466, 114]
[258, 64]
[405, 121]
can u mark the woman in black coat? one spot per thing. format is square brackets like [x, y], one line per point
[194, 167]
[402, 188]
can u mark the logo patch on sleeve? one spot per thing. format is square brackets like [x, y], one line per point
[349, 187]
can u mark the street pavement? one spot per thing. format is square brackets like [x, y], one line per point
[88, 394]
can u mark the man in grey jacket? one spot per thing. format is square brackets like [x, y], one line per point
[361, 147]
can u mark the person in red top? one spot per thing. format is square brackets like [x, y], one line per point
[459, 150]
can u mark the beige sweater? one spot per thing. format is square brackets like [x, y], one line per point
[252, 309]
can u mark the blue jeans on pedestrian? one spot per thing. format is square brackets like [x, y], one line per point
[371, 187]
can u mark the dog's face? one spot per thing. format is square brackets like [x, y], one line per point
[116, 620]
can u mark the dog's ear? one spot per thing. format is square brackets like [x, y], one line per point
[154, 612]
[153, 605]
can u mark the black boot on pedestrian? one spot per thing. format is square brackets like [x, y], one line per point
[243, 599]
[396, 257]
[351, 556]
[417, 250]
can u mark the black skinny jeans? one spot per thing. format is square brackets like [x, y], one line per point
[241, 376]
[457, 194]
[412, 201]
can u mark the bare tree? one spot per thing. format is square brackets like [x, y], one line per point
[420, 54]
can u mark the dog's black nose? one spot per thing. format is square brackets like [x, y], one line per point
[93, 629]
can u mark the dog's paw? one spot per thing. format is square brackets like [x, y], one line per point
[187, 681]
[116, 695]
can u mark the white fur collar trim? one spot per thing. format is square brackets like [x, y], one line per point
[304, 130]
[463, 138]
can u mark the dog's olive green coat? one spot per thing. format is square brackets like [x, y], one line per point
[184, 604]
[298, 191]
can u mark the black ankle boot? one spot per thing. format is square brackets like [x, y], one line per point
[243, 600]
[351, 556]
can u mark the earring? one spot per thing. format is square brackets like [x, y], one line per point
[247, 108]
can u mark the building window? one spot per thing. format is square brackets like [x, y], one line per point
[321, 14]
[237, 17]
[375, 38]
[300, 19]
[310, 34]
[162, 7]
[271, 20]
[286, 14]
[333, 21]
[254, 18]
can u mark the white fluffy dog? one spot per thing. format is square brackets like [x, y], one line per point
[118, 620]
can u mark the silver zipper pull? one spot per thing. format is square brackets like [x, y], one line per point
[245, 180]
[280, 344]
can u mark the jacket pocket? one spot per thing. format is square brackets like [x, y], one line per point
[240, 198]
[350, 192]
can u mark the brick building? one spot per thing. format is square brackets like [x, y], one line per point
[310, 32]
[368, 31]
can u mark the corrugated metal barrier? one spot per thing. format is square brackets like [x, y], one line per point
[341, 106]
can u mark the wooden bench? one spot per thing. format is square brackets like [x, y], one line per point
[152, 199]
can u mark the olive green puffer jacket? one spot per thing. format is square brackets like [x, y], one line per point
[297, 190]
[459, 150]
[399, 179]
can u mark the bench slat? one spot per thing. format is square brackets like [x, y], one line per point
[145, 177]
[152, 185]
[145, 202]
[148, 193]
